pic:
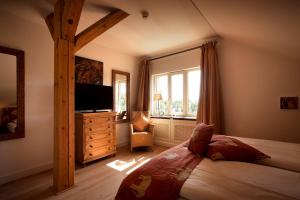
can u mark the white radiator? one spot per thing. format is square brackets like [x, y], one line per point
[169, 132]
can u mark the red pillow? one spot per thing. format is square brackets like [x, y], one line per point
[200, 138]
[227, 148]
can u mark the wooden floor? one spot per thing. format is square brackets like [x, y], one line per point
[98, 180]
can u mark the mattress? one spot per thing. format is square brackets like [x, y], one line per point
[275, 178]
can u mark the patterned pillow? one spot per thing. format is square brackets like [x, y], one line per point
[140, 122]
[200, 138]
[227, 148]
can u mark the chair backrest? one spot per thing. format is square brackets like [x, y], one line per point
[134, 113]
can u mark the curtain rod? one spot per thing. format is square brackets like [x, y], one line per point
[178, 52]
[171, 54]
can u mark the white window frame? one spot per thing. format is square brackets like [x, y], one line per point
[185, 112]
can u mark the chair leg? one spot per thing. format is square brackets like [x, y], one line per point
[131, 149]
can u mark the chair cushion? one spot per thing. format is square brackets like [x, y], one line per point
[140, 122]
[200, 138]
[227, 148]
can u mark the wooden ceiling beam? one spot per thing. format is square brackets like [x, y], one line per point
[70, 17]
[98, 28]
[49, 22]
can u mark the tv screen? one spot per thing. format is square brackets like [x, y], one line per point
[93, 97]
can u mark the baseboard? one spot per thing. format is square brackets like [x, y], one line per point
[123, 144]
[24, 173]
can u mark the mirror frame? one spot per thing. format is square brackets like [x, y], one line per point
[113, 79]
[20, 68]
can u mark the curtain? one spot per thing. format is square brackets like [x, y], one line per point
[143, 94]
[209, 106]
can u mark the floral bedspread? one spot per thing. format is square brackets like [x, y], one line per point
[162, 177]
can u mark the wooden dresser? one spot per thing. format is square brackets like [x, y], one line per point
[95, 136]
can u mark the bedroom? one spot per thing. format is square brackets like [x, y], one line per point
[257, 47]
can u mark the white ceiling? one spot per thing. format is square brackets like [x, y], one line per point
[174, 24]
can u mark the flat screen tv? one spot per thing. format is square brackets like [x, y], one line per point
[93, 97]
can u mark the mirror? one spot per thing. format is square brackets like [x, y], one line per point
[121, 90]
[11, 93]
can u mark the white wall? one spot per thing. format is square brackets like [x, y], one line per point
[34, 153]
[253, 80]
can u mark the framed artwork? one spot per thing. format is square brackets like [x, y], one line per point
[288, 102]
[88, 71]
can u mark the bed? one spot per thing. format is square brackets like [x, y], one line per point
[274, 178]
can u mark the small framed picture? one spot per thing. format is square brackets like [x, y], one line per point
[288, 102]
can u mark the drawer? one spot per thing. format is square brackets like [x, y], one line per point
[96, 129]
[100, 143]
[99, 151]
[96, 120]
[98, 136]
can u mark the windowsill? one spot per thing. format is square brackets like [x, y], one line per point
[173, 117]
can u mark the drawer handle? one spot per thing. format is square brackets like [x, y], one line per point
[91, 137]
[109, 148]
[109, 141]
[91, 121]
[108, 126]
[91, 129]
[91, 146]
[91, 154]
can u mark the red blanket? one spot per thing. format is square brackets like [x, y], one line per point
[161, 178]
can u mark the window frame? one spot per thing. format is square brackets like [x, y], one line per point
[169, 113]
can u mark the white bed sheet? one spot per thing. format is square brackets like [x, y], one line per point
[240, 180]
[283, 154]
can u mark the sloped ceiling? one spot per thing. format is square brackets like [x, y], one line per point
[172, 24]
[273, 25]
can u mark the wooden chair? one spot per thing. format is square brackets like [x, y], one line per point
[141, 139]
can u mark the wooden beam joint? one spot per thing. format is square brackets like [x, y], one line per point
[50, 24]
[98, 28]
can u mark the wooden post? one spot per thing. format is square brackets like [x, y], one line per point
[62, 25]
[64, 22]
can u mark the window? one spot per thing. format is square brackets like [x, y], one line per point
[176, 93]
[193, 78]
[121, 95]
[162, 92]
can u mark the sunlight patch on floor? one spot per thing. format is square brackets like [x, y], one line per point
[121, 165]
[139, 165]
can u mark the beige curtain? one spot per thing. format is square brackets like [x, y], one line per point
[209, 106]
[143, 87]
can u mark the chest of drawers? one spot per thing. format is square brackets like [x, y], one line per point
[95, 136]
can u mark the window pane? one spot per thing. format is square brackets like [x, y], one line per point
[193, 91]
[177, 93]
[121, 96]
[161, 105]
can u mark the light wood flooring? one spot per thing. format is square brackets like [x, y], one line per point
[95, 181]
